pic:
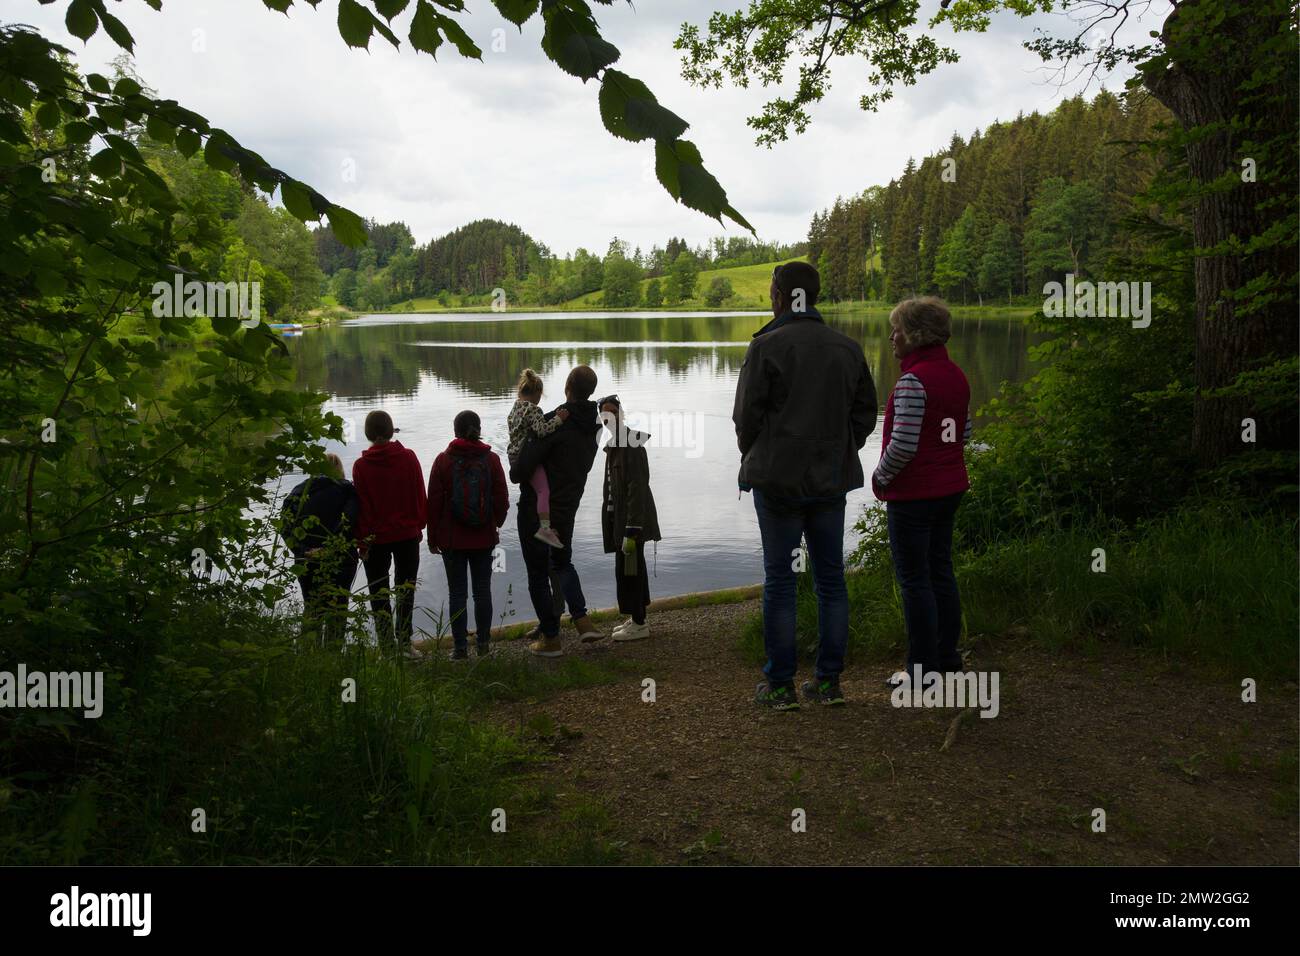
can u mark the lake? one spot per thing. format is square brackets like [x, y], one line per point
[675, 373]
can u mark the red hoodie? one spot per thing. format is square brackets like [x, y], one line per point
[444, 530]
[390, 485]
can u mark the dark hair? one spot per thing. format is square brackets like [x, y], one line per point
[379, 425]
[581, 382]
[467, 425]
[798, 275]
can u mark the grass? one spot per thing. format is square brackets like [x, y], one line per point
[1211, 586]
[750, 285]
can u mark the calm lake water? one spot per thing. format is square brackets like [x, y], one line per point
[676, 371]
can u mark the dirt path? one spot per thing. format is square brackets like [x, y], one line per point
[1185, 771]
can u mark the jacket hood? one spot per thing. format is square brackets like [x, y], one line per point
[467, 446]
[583, 414]
[385, 455]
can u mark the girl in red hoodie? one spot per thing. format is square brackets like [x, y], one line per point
[468, 501]
[390, 484]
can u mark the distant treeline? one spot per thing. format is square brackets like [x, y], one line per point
[472, 261]
[997, 215]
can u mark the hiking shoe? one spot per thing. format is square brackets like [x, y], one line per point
[459, 654]
[824, 690]
[547, 647]
[549, 536]
[780, 697]
[632, 632]
[587, 631]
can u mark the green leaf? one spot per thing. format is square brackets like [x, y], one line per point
[98, 83]
[347, 226]
[188, 142]
[106, 163]
[424, 33]
[390, 8]
[117, 30]
[126, 87]
[160, 130]
[78, 133]
[48, 115]
[297, 198]
[356, 23]
[680, 169]
[464, 45]
[573, 43]
[517, 12]
[81, 21]
[630, 111]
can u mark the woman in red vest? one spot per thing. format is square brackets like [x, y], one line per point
[921, 478]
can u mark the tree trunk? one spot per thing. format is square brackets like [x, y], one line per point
[1204, 91]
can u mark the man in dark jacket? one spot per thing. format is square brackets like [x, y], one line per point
[567, 454]
[317, 521]
[805, 404]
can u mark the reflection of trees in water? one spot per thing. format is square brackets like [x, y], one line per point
[363, 361]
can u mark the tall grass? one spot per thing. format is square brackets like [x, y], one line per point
[1212, 585]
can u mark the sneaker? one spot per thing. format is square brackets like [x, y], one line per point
[621, 627]
[824, 690]
[547, 647]
[632, 632]
[587, 631]
[781, 697]
[898, 679]
[459, 654]
[549, 536]
[483, 649]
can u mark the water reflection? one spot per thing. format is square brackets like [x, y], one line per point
[672, 368]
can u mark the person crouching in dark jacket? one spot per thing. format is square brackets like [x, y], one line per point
[628, 519]
[318, 518]
[468, 501]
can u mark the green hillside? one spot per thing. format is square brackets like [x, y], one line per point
[750, 283]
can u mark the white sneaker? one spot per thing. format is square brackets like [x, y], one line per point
[632, 632]
[621, 627]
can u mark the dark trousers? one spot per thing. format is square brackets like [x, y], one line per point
[404, 557]
[920, 538]
[326, 586]
[633, 589]
[461, 567]
[552, 579]
[782, 523]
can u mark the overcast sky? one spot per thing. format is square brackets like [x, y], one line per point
[440, 143]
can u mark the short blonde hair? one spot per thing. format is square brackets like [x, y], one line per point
[335, 463]
[924, 320]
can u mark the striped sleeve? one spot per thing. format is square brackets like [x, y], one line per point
[905, 431]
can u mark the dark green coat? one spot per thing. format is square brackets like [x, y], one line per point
[627, 506]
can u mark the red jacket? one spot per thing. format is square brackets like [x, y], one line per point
[444, 530]
[390, 484]
[937, 467]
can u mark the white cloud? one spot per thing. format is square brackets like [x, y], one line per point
[438, 144]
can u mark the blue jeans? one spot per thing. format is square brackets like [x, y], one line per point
[782, 522]
[920, 539]
[460, 566]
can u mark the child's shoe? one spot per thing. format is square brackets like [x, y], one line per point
[549, 536]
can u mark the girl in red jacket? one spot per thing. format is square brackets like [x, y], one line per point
[468, 501]
[390, 485]
[921, 478]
